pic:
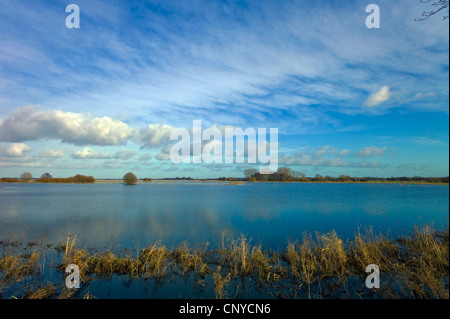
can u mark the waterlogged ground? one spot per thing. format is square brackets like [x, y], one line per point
[196, 212]
[414, 266]
[216, 240]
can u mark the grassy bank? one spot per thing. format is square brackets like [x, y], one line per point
[317, 266]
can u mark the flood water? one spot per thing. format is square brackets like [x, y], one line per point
[268, 213]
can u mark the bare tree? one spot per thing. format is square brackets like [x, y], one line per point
[26, 177]
[285, 173]
[437, 6]
[298, 175]
[344, 178]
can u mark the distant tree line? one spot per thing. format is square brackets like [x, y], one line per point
[285, 174]
[47, 178]
[75, 179]
[229, 179]
[177, 178]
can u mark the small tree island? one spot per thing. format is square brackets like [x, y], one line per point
[130, 179]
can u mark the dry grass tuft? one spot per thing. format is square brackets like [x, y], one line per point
[45, 292]
[427, 264]
[332, 257]
[153, 261]
[188, 259]
[220, 283]
[368, 248]
[416, 266]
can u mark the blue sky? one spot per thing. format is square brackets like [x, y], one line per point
[101, 100]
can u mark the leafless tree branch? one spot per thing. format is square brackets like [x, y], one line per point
[437, 6]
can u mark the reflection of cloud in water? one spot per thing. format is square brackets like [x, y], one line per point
[125, 219]
[9, 212]
[374, 208]
[252, 210]
[174, 224]
[168, 225]
[323, 208]
[178, 212]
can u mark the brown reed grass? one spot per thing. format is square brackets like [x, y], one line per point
[320, 266]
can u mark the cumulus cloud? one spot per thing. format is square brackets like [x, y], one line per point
[14, 149]
[371, 151]
[304, 158]
[52, 153]
[125, 154]
[145, 157]
[328, 156]
[343, 153]
[89, 153]
[154, 135]
[378, 97]
[324, 150]
[111, 164]
[29, 123]
[164, 155]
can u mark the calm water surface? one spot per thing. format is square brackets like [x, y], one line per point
[269, 213]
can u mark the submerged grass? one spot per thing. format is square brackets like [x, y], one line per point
[319, 266]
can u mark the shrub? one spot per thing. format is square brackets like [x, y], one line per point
[46, 175]
[83, 179]
[130, 179]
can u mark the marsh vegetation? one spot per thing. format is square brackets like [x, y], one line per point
[317, 266]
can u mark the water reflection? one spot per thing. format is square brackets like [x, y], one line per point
[173, 212]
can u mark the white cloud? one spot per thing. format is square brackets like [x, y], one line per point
[154, 135]
[202, 67]
[324, 150]
[164, 155]
[421, 95]
[14, 149]
[343, 153]
[371, 151]
[427, 141]
[28, 123]
[111, 164]
[378, 97]
[125, 154]
[89, 153]
[328, 156]
[52, 153]
[145, 157]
